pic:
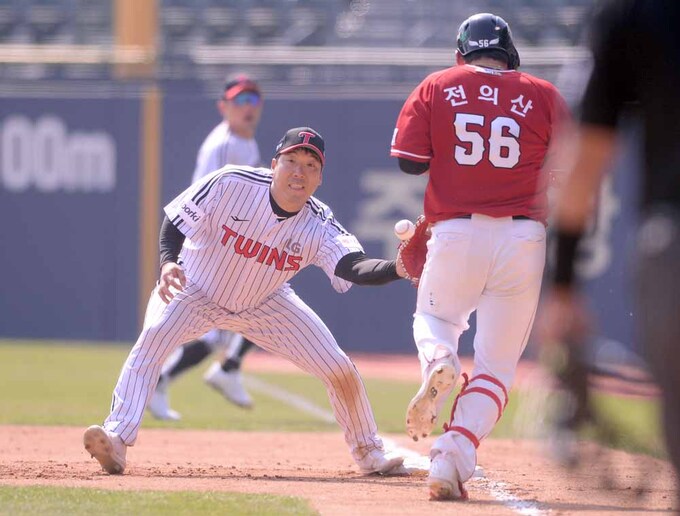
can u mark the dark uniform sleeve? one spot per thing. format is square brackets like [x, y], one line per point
[170, 242]
[611, 84]
[362, 270]
[413, 167]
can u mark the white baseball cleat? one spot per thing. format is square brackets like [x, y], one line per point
[108, 448]
[443, 478]
[229, 384]
[424, 408]
[159, 405]
[377, 461]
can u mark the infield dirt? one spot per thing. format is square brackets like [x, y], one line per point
[318, 467]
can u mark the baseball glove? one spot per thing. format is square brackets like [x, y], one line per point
[412, 252]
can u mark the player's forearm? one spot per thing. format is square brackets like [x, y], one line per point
[362, 270]
[577, 200]
[170, 241]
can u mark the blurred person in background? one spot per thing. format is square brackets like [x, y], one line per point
[231, 142]
[636, 58]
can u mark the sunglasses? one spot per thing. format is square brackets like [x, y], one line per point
[247, 97]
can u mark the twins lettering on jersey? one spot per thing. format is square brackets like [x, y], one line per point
[457, 97]
[262, 253]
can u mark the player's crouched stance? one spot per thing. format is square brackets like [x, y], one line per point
[229, 245]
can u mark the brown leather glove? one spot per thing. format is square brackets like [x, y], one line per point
[412, 252]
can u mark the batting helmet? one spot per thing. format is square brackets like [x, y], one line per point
[487, 31]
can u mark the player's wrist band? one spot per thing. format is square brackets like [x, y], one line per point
[565, 256]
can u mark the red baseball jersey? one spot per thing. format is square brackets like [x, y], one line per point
[486, 134]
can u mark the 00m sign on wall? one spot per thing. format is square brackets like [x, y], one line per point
[44, 156]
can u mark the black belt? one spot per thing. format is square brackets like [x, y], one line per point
[514, 217]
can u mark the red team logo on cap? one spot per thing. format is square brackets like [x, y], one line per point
[306, 136]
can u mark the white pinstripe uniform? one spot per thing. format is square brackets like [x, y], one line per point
[220, 148]
[237, 259]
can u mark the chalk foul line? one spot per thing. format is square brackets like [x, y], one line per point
[413, 461]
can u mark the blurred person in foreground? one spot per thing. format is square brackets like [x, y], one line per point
[231, 142]
[482, 130]
[636, 52]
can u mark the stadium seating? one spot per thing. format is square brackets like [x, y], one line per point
[221, 20]
[9, 20]
[187, 25]
[294, 22]
[48, 21]
[93, 23]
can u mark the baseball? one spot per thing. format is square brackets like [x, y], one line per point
[404, 229]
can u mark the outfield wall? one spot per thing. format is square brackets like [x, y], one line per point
[70, 175]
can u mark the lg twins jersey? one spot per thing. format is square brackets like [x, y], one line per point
[485, 134]
[222, 147]
[238, 252]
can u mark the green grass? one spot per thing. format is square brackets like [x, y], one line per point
[69, 384]
[73, 502]
[622, 414]
[636, 423]
[61, 384]
[53, 384]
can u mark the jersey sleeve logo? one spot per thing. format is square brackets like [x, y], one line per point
[348, 241]
[190, 213]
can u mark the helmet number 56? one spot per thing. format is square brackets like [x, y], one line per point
[503, 144]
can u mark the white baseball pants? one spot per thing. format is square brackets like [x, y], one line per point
[283, 325]
[494, 266]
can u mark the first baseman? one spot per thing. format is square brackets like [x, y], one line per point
[231, 142]
[229, 245]
[483, 130]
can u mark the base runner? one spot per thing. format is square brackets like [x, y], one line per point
[482, 129]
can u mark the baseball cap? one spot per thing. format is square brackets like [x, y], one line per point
[239, 84]
[302, 137]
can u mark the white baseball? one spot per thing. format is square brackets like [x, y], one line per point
[404, 229]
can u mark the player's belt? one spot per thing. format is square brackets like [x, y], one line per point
[514, 217]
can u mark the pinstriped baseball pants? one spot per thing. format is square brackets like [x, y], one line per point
[283, 324]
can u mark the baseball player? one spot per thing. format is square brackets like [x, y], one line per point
[482, 129]
[229, 245]
[231, 142]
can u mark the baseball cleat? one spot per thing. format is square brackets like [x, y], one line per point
[108, 448]
[424, 408]
[443, 480]
[229, 384]
[378, 462]
[159, 405]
